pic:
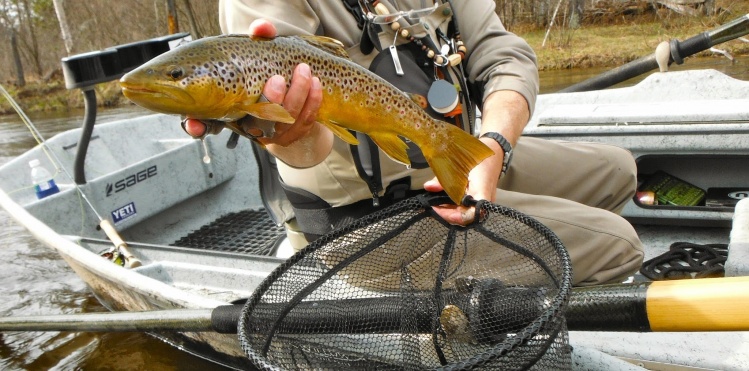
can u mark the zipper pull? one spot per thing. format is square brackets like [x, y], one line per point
[375, 200]
[396, 60]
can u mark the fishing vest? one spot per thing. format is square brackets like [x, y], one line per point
[406, 65]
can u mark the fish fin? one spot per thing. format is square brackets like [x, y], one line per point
[327, 44]
[392, 145]
[418, 99]
[461, 153]
[340, 131]
[267, 111]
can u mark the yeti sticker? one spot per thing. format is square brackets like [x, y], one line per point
[123, 213]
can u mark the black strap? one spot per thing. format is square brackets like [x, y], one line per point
[355, 9]
[368, 149]
[315, 217]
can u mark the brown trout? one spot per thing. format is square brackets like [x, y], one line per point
[222, 77]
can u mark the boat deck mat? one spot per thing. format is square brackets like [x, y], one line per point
[248, 232]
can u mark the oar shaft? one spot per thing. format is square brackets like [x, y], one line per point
[679, 50]
[165, 320]
[731, 30]
[709, 304]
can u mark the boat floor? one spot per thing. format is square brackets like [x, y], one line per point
[252, 232]
[248, 232]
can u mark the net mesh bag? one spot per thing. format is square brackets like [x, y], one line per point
[403, 289]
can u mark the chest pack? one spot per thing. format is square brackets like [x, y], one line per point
[410, 67]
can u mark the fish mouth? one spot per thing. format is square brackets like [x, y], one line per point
[156, 95]
[137, 89]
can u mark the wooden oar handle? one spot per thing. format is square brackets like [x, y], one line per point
[707, 304]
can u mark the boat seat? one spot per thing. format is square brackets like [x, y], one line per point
[646, 113]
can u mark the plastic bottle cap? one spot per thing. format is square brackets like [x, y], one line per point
[34, 163]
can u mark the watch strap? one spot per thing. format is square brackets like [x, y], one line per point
[504, 144]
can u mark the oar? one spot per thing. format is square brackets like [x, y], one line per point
[710, 304]
[678, 51]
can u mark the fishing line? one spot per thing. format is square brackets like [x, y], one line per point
[43, 145]
[105, 225]
[34, 132]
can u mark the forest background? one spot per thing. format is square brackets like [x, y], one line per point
[564, 34]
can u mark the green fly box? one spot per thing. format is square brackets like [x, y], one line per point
[670, 190]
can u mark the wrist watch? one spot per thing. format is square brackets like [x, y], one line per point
[506, 147]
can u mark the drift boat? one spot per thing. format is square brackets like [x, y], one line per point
[195, 233]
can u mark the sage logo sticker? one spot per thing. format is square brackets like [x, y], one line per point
[739, 195]
[131, 180]
[123, 213]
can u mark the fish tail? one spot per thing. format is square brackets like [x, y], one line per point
[452, 163]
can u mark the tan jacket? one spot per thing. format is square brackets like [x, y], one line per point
[501, 59]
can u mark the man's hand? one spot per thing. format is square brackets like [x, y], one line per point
[304, 143]
[505, 112]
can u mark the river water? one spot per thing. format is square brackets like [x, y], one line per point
[36, 281]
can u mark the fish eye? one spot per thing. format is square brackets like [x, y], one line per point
[175, 72]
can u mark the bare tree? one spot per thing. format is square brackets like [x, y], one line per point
[9, 22]
[575, 11]
[32, 46]
[20, 78]
[173, 22]
[67, 36]
[191, 19]
[91, 25]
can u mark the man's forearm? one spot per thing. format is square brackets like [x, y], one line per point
[505, 112]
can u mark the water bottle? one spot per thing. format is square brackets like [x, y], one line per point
[44, 185]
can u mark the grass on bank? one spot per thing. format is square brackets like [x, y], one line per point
[39, 96]
[614, 42]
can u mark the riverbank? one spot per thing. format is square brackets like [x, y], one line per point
[597, 45]
[49, 96]
[611, 45]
